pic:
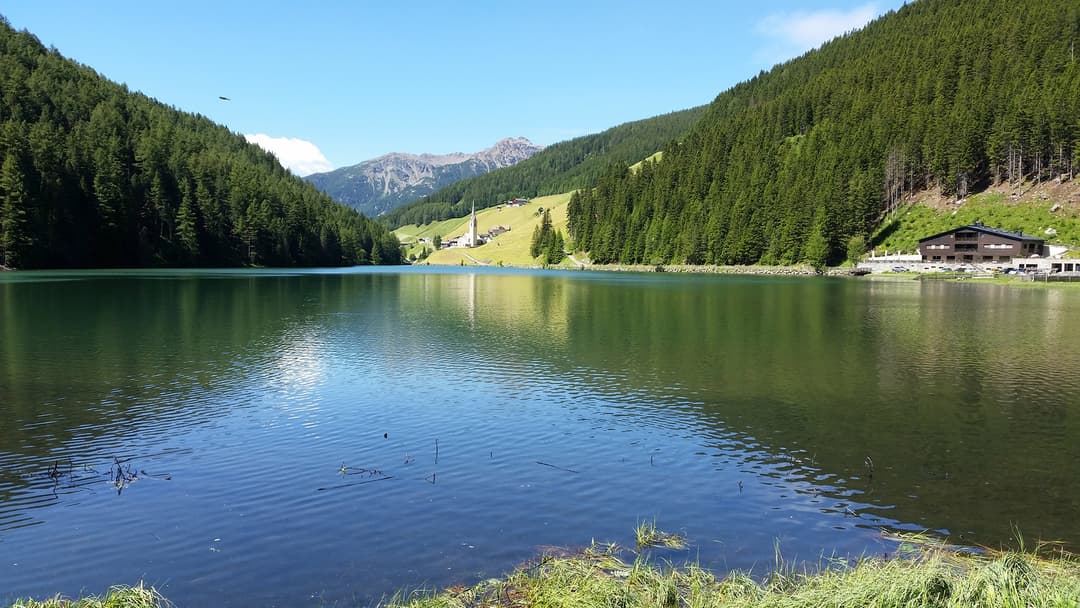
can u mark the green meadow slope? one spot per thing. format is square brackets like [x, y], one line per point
[1050, 211]
[561, 167]
[508, 249]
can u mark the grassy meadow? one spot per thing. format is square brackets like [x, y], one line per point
[509, 248]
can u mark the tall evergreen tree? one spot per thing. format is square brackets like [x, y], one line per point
[14, 228]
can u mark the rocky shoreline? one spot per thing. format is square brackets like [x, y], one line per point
[798, 270]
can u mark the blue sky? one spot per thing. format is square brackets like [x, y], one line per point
[329, 84]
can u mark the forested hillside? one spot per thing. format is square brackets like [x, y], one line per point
[787, 167]
[93, 175]
[561, 167]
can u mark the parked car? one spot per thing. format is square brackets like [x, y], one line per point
[899, 269]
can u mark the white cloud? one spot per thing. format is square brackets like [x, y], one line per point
[299, 156]
[795, 33]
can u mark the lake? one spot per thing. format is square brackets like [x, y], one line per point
[259, 437]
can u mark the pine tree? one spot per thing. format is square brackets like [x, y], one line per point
[856, 247]
[186, 229]
[543, 238]
[817, 246]
[14, 229]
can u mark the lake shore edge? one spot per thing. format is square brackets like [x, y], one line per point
[921, 572]
[796, 270]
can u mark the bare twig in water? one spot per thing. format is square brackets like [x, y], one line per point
[122, 478]
[344, 470]
[557, 467]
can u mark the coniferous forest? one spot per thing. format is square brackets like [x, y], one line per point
[93, 175]
[561, 167]
[797, 163]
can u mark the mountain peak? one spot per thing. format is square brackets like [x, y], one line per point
[378, 185]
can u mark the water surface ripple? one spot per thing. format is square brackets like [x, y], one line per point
[345, 434]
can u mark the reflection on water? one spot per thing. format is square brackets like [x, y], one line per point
[283, 426]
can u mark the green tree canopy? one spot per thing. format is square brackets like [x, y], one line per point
[95, 175]
[942, 94]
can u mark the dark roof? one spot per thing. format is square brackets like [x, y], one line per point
[977, 227]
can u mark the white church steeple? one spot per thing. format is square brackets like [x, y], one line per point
[473, 239]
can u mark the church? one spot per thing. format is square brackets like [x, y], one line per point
[472, 237]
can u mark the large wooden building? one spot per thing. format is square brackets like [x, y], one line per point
[979, 244]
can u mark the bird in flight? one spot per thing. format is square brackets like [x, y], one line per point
[223, 98]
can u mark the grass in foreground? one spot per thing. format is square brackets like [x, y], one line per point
[926, 576]
[117, 597]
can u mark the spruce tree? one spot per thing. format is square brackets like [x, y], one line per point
[817, 246]
[14, 231]
[186, 229]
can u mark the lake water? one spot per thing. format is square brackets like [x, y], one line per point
[328, 437]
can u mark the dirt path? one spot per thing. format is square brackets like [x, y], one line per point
[475, 261]
[576, 261]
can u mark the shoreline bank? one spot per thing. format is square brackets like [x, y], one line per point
[922, 572]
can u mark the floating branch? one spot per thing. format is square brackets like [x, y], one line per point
[122, 477]
[164, 477]
[557, 467]
[344, 470]
[84, 477]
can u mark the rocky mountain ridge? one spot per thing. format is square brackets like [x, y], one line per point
[378, 185]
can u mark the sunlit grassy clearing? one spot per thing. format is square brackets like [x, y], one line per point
[917, 221]
[510, 248]
[653, 159]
